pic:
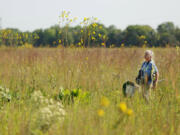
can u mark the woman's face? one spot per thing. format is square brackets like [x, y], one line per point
[147, 57]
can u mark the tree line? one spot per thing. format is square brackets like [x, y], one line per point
[93, 34]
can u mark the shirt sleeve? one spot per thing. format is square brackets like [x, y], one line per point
[142, 65]
[155, 69]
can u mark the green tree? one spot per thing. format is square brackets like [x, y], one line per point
[114, 36]
[166, 33]
[138, 35]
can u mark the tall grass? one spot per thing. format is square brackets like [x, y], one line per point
[99, 71]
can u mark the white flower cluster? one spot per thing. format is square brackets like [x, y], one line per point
[48, 112]
[4, 94]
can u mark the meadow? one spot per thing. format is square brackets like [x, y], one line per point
[78, 91]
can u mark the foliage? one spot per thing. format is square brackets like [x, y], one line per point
[45, 112]
[35, 75]
[90, 33]
[73, 96]
[5, 95]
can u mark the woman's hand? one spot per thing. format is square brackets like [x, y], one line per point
[155, 81]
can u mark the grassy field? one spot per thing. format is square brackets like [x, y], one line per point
[79, 92]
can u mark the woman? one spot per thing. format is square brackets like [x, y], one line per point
[148, 75]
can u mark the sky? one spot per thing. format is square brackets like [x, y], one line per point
[34, 14]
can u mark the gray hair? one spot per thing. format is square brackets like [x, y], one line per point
[149, 52]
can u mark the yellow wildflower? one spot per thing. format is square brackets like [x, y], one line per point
[79, 43]
[93, 38]
[94, 24]
[122, 106]
[82, 41]
[104, 37]
[100, 27]
[64, 12]
[129, 112]
[85, 19]
[105, 102]
[103, 44]
[122, 45]
[26, 35]
[100, 113]
[142, 37]
[112, 46]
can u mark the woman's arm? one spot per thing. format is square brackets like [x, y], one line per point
[156, 77]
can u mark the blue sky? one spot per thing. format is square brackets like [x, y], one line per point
[33, 14]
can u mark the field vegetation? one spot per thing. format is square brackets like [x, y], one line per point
[51, 91]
